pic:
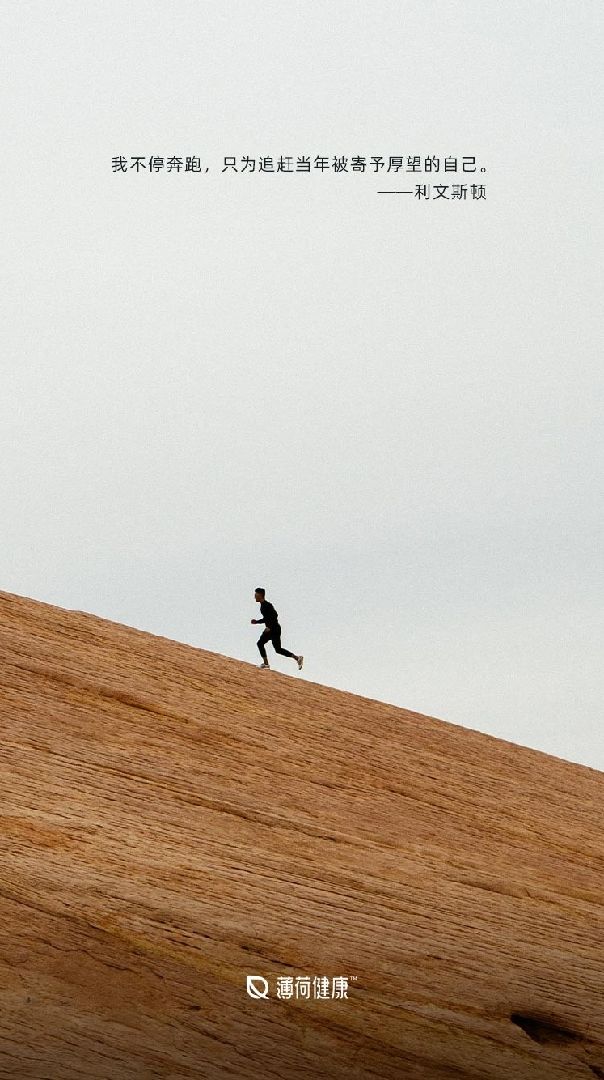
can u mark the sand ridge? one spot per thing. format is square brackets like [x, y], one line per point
[173, 820]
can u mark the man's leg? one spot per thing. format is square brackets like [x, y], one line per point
[276, 640]
[262, 640]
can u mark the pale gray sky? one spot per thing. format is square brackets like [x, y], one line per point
[386, 411]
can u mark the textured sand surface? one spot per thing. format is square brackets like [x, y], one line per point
[172, 821]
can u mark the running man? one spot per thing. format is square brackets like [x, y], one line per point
[271, 632]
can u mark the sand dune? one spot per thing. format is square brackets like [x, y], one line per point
[173, 821]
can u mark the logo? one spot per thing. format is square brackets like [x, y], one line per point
[257, 986]
[302, 987]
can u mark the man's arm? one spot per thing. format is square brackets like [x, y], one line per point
[259, 620]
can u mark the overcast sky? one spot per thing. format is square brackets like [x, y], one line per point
[385, 410]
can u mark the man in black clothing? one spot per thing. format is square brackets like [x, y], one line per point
[272, 631]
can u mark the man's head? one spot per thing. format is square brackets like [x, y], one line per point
[259, 595]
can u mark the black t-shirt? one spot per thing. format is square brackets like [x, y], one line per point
[269, 614]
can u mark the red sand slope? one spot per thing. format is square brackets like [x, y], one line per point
[172, 821]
